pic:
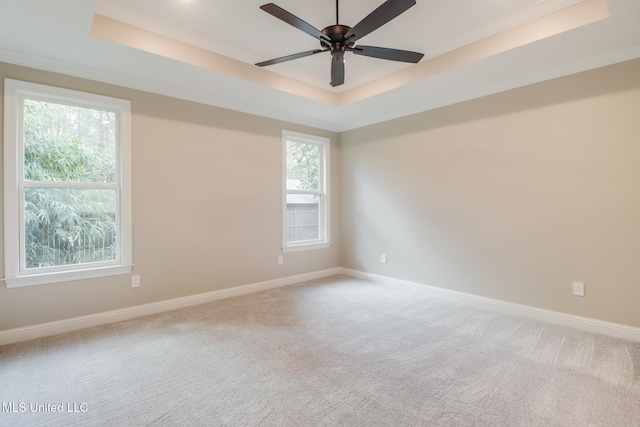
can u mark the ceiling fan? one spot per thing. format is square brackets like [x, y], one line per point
[339, 39]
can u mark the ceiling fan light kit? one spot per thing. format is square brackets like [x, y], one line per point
[338, 39]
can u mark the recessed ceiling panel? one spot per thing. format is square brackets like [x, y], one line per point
[241, 30]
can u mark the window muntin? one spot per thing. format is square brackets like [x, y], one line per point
[67, 185]
[306, 191]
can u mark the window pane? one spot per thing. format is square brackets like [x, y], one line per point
[67, 143]
[303, 166]
[69, 226]
[303, 217]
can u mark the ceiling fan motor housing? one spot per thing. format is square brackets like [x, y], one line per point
[338, 42]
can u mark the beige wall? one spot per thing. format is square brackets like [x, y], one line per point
[512, 196]
[206, 208]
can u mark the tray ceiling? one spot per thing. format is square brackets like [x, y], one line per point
[205, 50]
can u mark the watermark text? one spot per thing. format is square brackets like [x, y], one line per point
[67, 407]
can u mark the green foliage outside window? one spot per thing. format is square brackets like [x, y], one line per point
[68, 147]
[303, 166]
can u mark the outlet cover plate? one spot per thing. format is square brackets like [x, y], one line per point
[578, 289]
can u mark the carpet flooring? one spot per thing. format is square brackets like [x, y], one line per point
[332, 352]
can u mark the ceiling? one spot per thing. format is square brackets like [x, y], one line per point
[204, 50]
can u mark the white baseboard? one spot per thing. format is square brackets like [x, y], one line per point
[53, 328]
[583, 323]
[67, 325]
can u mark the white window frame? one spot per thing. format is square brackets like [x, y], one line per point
[16, 274]
[324, 220]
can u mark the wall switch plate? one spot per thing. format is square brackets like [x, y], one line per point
[135, 281]
[280, 260]
[578, 289]
[383, 258]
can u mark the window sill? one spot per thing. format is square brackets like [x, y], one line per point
[66, 276]
[306, 246]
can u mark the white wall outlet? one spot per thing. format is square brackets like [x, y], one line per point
[578, 289]
[280, 260]
[135, 281]
[383, 258]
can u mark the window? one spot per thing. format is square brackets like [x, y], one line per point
[306, 200]
[67, 195]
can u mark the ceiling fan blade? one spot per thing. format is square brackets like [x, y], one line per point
[390, 54]
[291, 19]
[337, 69]
[376, 19]
[290, 57]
